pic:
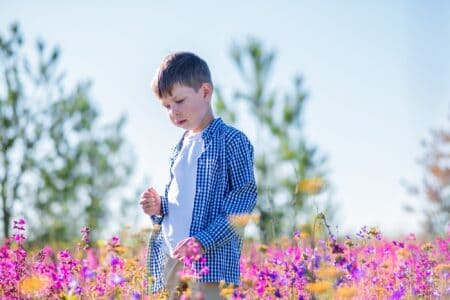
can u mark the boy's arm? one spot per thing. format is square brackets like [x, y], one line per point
[240, 200]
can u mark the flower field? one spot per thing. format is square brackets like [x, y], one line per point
[366, 266]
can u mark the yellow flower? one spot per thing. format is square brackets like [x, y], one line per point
[304, 235]
[319, 287]
[380, 291]
[248, 282]
[226, 290]
[285, 241]
[427, 247]
[255, 218]
[187, 292]
[241, 220]
[263, 248]
[33, 284]
[443, 268]
[270, 290]
[373, 231]
[120, 249]
[69, 296]
[222, 283]
[345, 292]
[328, 272]
[187, 277]
[132, 263]
[130, 267]
[402, 252]
[310, 185]
[164, 295]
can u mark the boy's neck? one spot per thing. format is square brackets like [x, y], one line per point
[208, 119]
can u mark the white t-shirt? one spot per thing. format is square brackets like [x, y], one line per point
[181, 193]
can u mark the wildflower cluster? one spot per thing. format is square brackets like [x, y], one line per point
[103, 272]
[368, 266]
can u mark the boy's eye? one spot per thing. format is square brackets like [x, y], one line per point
[179, 101]
[167, 106]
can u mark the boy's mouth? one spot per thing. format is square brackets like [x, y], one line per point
[180, 122]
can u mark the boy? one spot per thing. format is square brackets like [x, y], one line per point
[211, 180]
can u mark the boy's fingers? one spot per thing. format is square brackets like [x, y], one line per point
[180, 245]
[145, 202]
[177, 249]
[145, 195]
[153, 191]
[178, 256]
[179, 253]
[144, 198]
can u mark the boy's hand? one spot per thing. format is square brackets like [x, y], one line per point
[150, 202]
[188, 248]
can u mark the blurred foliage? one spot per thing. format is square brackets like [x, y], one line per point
[58, 166]
[288, 169]
[435, 187]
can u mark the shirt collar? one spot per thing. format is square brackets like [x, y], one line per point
[207, 134]
[209, 131]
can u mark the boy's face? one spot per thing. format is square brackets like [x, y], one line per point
[189, 109]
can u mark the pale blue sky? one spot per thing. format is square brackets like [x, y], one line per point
[378, 75]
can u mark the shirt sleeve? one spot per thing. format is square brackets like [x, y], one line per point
[242, 196]
[157, 219]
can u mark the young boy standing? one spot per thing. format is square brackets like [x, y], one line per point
[211, 180]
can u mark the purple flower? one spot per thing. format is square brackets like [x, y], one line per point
[277, 293]
[73, 284]
[273, 276]
[115, 241]
[18, 237]
[114, 261]
[136, 296]
[117, 279]
[398, 294]
[88, 273]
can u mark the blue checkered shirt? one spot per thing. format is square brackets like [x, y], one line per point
[225, 186]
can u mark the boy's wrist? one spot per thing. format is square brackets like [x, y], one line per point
[205, 240]
[202, 249]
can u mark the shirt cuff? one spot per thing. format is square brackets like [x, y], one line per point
[156, 219]
[206, 240]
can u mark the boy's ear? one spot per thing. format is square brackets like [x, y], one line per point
[206, 90]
